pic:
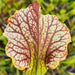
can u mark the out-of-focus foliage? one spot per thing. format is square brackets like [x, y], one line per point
[63, 9]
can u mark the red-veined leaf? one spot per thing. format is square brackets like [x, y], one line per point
[33, 36]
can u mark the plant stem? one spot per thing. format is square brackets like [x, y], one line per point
[17, 71]
[52, 72]
[24, 72]
[33, 1]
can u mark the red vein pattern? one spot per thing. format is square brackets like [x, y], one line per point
[29, 31]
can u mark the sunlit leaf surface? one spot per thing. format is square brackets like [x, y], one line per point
[33, 36]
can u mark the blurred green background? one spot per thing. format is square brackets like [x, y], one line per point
[63, 9]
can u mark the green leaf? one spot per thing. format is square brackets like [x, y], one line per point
[4, 39]
[62, 11]
[4, 62]
[40, 1]
[1, 3]
[2, 68]
[2, 49]
[72, 12]
[71, 73]
[69, 62]
[1, 31]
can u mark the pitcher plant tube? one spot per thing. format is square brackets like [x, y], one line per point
[36, 42]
